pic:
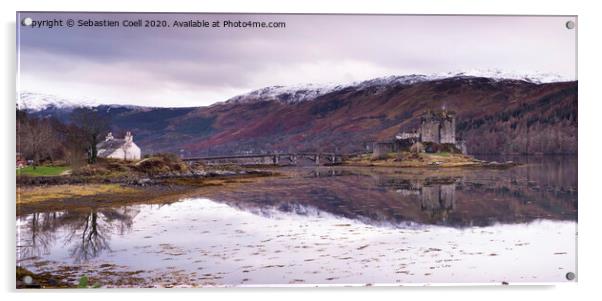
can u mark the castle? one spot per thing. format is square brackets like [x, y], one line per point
[436, 128]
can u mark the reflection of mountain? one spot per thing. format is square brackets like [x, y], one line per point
[88, 231]
[445, 197]
[545, 188]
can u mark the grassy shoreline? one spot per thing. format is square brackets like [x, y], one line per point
[425, 160]
[37, 198]
[39, 171]
[114, 183]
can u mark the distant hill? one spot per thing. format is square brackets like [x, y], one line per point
[494, 116]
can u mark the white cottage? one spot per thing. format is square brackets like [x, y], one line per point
[124, 149]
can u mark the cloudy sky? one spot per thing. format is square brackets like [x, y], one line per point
[201, 66]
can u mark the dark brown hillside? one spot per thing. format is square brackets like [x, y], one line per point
[493, 117]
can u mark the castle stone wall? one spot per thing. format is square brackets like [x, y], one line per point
[448, 131]
[380, 149]
[438, 127]
[429, 131]
[435, 127]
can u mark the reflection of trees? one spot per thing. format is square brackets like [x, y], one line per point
[88, 232]
[41, 229]
[92, 240]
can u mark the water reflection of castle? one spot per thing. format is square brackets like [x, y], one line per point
[438, 199]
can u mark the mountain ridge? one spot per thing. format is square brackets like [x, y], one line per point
[295, 93]
[494, 116]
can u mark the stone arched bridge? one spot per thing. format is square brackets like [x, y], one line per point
[271, 159]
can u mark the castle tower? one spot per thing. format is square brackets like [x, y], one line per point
[429, 128]
[448, 128]
[438, 127]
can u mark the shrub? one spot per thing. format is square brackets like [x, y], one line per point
[91, 170]
[161, 163]
[117, 165]
[417, 148]
[431, 147]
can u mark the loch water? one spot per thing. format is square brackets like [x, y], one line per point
[327, 226]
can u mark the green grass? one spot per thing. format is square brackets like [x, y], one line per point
[41, 171]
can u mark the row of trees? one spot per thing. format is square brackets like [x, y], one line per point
[547, 125]
[48, 139]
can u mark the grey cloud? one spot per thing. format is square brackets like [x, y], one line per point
[238, 59]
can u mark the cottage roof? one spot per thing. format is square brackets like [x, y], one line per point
[108, 147]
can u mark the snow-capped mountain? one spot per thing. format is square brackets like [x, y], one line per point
[492, 113]
[288, 94]
[497, 74]
[38, 102]
[300, 93]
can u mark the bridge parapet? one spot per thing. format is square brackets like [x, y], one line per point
[270, 159]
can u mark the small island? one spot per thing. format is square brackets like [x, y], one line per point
[405, 159]
[433, 144]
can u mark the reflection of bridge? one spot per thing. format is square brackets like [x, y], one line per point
[272, 159]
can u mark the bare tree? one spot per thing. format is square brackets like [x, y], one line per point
[76, 145]
[93, 124]
[36, 138]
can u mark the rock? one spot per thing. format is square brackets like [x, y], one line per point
[224, 173]
[201, 173]
[52, 282]
[144, 182]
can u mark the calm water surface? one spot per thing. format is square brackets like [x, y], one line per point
[327, 226]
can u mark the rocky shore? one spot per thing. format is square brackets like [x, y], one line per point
[113, 182]
[426, 160]
[137, 179]
[76, 193]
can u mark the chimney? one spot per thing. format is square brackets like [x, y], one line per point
[129, 137]
[109, 136]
